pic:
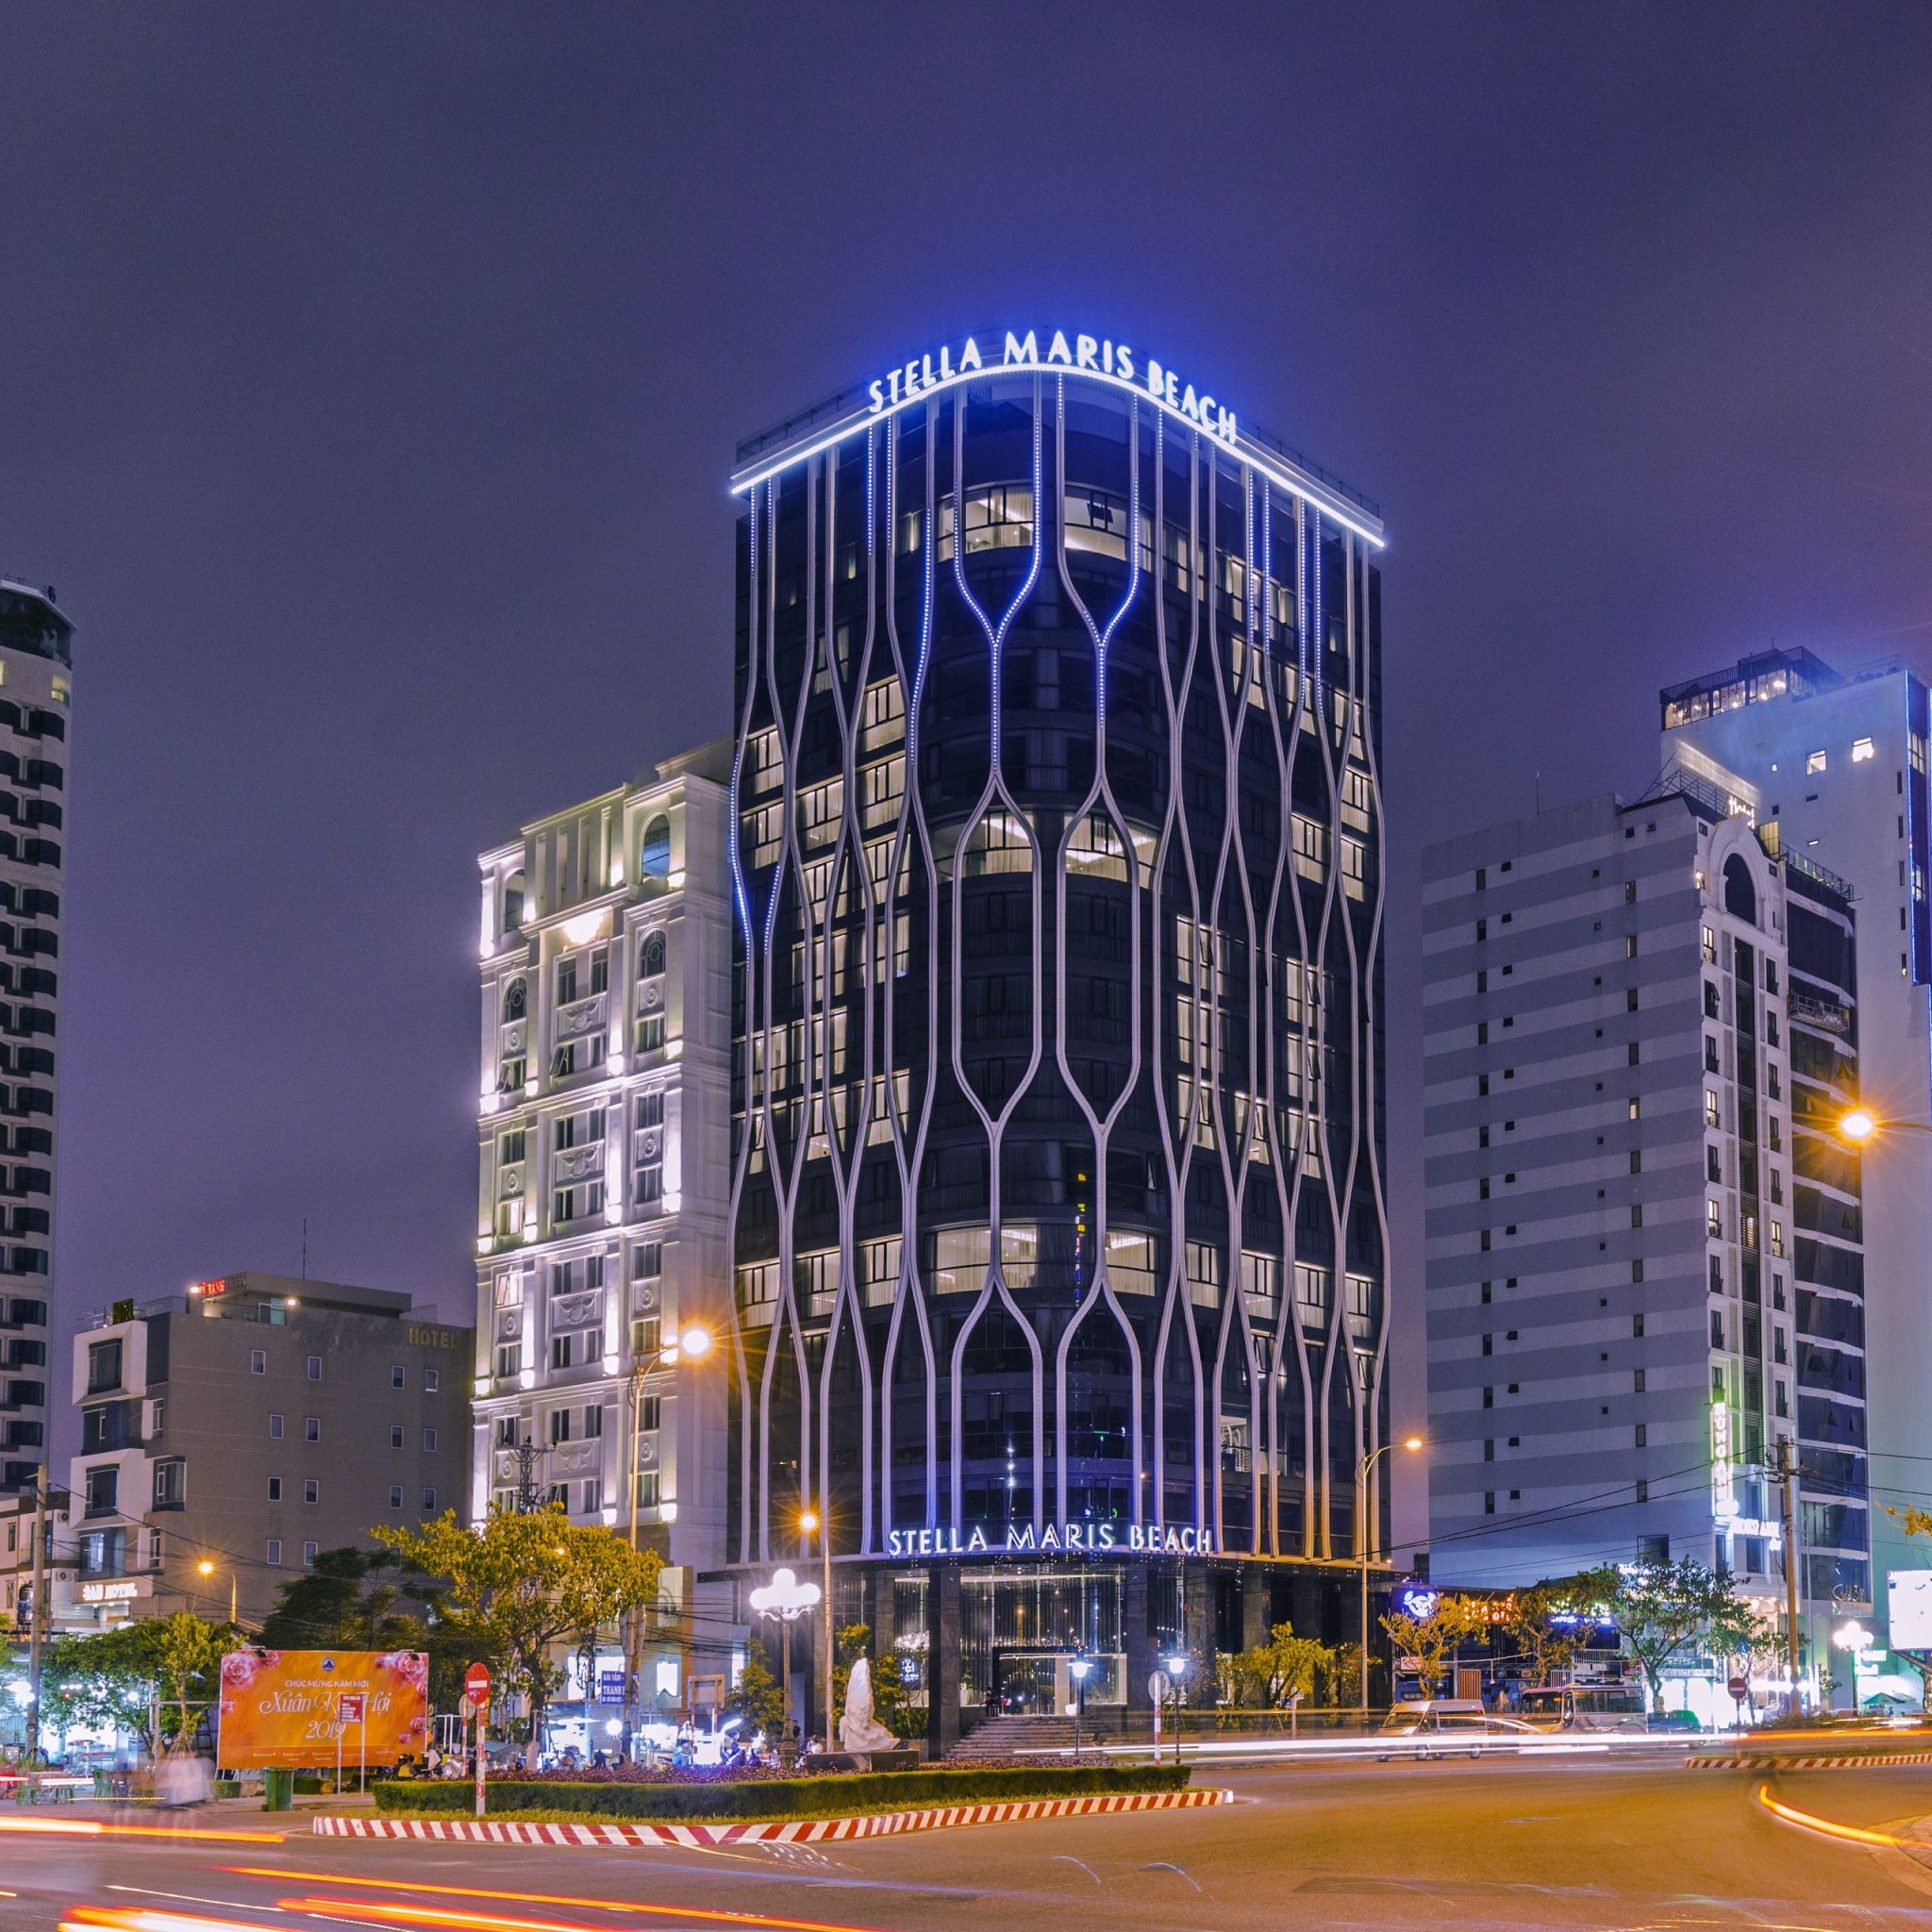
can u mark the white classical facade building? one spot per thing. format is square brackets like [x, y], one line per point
[601, 1215]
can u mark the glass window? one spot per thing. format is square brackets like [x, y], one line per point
[275, 1428]
[1814, 764]
[315, 1367]
[1861, 750]
[311, 1490]
[258, 1361]
[271, 1552]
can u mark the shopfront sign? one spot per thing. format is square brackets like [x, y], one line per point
[118, 1590]
[1051, 349]
[1054, 1539]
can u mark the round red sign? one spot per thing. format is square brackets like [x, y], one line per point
[476, 1682]
[1739, 1687]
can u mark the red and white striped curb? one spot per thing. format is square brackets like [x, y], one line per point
[508, 1831]
[1809, 1760]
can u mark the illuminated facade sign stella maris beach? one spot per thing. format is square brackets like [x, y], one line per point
[1083, 355]
[1023, 1540]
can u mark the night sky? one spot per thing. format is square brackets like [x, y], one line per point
[370, 375]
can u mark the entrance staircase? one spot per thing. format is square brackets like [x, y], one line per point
[1012, 1736]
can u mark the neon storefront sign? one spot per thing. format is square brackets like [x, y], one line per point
[1054, 1539]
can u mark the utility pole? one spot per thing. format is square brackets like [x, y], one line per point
[36, 1621]
[1785, 1469]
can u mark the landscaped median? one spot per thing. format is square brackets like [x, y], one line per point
[666, 1811]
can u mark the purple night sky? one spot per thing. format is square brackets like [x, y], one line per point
[369, 379]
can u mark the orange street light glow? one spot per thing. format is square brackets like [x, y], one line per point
[696, 1341]
[695, 1914]
[1860, 1124]
[1413, 1443]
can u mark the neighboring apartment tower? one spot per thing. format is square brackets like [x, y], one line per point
[36, 691]
[1643, 1265]
[245, 1426]
[605, 1040]
[1060, 1242]
[1833, 768]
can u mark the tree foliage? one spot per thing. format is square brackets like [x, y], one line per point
[352, 1599]
[155, 1679]
[1433, 1641]
[756, 1698]
[1283, 1668]
[1552, 1620]
[521, 1582]
[1670, 1613]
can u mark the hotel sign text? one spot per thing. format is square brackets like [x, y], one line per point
[1091, 355]
[1082, 1539]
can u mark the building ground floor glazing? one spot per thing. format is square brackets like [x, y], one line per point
[972, 1639]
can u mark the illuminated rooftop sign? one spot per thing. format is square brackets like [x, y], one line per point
[1049, 352]
[1083, 355]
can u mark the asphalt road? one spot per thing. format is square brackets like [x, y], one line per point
[1577, 1843]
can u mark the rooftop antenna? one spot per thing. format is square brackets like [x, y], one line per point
[304, 1247]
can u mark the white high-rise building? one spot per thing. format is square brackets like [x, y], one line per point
[1643, 1263]
[36, 691]
[1832, 768]
[601, 1214]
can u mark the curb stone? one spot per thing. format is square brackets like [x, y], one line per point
[789, 1831]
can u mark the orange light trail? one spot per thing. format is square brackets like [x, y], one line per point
[695, 1913]
[1807, 1823]
[95, 1827]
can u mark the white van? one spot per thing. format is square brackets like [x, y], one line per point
[1439, 1726]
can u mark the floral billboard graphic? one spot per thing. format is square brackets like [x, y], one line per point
[280, 1709]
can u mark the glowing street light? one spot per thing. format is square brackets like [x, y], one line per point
[205, 1568]
[787, 1600]
[1362, 1543]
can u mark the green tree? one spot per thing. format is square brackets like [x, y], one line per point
[1551, 1621]
[1670, 1613]
[520, 1582]
[155, 1679]
[1281, 1668]
[352, 1599]
[1433, 1641]
[1341, 1676]
[755, 1698]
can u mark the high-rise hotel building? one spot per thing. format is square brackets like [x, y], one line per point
[36, 692]
[1832, 767]
[1645, 1282]
[1057, 1155]
[601, 1233]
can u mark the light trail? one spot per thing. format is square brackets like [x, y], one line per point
[699, 1913]
[1805, 1820]
[96, 1827]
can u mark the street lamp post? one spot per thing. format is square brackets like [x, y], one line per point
[205, 1568]
[1362, 1543]
[693, 1345]
[786, 1600]
[810, 1522]
[1852, 1636]
[1176, 1672]
[1078, 1669]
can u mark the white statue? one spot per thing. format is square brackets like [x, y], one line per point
[859, 1730]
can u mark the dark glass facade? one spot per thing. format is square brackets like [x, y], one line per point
[1059, 1241]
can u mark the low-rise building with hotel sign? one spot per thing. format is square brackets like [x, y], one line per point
[231, 1432]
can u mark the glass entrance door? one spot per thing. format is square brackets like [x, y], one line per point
[1026, 1684]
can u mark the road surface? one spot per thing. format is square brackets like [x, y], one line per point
[1593, 1842]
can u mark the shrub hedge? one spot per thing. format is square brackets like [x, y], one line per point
[837, 1794]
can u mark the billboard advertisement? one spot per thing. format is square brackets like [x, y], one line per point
[1908, 1609]
[280, 1710]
